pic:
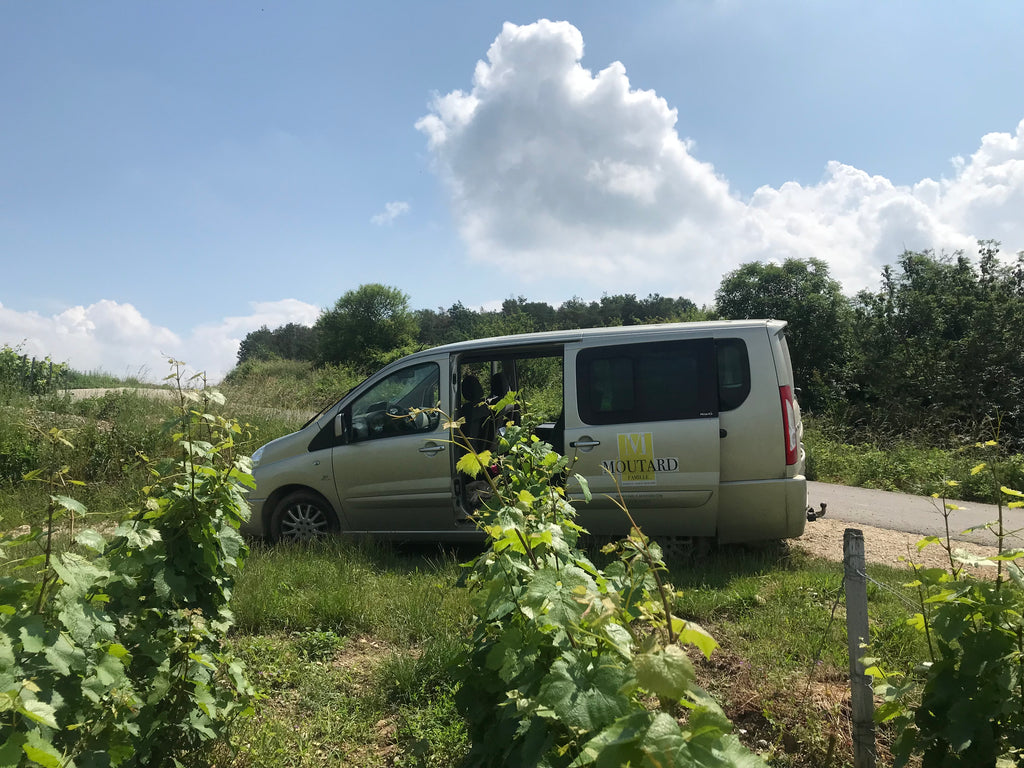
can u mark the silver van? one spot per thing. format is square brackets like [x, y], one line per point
[697, 424]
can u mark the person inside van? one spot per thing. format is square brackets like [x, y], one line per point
[474, 410]
[478, 429]
[499, 388]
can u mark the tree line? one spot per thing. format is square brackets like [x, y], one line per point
[373, 324]
[935, 353]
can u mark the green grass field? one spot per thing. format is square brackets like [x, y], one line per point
[352, 646]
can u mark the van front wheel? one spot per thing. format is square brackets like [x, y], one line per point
[303, 516]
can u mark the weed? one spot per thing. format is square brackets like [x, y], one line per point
[318, 644]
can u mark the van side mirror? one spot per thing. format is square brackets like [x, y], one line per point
[350, 433]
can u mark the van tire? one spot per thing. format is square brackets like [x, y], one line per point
[303, 516]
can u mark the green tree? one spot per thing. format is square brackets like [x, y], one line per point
[289, 342]
[940, 348]
[256, 345]
[659, 309]
[295, 342]
[801, 292]
[619, 309]
[365, 326]
[576, 313]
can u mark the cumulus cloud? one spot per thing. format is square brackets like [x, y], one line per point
[116, 338]
[391, 212]
[557, 172]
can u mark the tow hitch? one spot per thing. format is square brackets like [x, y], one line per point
[813, 515]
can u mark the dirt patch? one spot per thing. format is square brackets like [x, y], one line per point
[359, 657]
[824, 538]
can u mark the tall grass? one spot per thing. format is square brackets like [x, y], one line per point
[108, 441]
[288, 384]
[351, 645]
[781, 669]
[897, 465]
[97, 379]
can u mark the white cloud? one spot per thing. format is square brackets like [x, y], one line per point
[116, 338]
[391, 212]
[559, 173]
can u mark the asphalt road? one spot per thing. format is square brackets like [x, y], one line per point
[914, 514]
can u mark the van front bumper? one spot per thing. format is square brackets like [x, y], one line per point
[254, 525]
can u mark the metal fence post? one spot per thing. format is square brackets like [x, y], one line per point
[862, 701]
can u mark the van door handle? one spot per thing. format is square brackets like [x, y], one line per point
[584, 443]
[722, 433]
[432, 448]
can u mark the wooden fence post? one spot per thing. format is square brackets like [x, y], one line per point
[862, 702]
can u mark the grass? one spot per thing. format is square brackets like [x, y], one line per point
[906, 467]
[781, 670]
[289, 384]
[111, 438]
[351, 646]
[96, 379]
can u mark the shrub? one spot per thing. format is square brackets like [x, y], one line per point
[964, 703]
[571, 665]
[112, 652]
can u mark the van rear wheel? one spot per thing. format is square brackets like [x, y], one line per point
[303, 516]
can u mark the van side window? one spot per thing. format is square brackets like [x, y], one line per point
[657, 381]
[733, 373]
[384, 409]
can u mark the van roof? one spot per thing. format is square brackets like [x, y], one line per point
[608, 333]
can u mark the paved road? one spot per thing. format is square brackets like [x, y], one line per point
[914, 514]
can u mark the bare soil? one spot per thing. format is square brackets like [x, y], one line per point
[824, 538]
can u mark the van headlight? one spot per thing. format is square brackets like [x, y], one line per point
[256, 456]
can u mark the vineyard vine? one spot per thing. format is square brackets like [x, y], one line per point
[964, 703]
[573, 665]
[112, 652]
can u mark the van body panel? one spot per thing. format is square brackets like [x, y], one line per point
[666, 472]
[752, 446]
[784, 371]
[298, 467]
[389, 479]
[392, 485]
[667, 469]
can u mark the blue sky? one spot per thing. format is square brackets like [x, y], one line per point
[174, 175]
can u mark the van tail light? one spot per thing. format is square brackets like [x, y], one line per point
[789, 425]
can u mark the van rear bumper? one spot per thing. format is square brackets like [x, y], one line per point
[762, 510]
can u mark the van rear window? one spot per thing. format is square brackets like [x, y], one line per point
[733, 373]
[658, 381]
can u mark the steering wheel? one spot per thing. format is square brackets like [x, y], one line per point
[397, 419]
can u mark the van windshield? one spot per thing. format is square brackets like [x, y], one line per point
[331, 404]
